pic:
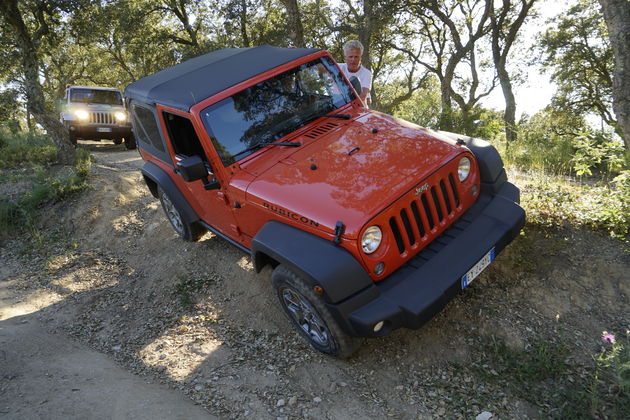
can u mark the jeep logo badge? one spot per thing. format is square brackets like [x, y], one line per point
[422, 189]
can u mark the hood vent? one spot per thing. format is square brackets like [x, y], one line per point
[321, 130]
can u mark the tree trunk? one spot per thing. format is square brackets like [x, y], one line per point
[34, 93]
[506, 31]
[243, 22]
[445, 121]
[294, 23]
[509, 115]
[29, 120]
[617, 17]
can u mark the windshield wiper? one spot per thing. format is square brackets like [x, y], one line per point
[267, 143]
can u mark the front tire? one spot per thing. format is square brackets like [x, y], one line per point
[310, 316]
[117, 140]
[130, 142]
[190, 232]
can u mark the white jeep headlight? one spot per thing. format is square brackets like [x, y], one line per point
[463, 169]
[81, 114]
[120, 116]
[371, 239]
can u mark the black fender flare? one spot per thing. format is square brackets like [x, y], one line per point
[491, 169]
[318, 261]
[150, 171]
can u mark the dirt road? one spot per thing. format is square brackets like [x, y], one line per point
[116, 290]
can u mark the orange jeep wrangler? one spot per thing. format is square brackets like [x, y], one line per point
[370, 223]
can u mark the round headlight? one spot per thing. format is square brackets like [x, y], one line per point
[81, 114]
[463, 169]
[120, 116]
[371, 239]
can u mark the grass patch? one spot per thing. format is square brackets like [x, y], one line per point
[542, 360]
[605, 206]
[26, 150]
[21, 213]
[610, 386]
[544, 375]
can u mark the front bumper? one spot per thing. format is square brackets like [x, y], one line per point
[99, 131]
[425, 284]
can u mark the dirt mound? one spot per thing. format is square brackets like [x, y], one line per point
[197, 317]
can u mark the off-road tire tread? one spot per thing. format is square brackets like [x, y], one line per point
[192, 231]
[130, 142]
[344, 345]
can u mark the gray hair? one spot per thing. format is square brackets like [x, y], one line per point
[353, 45]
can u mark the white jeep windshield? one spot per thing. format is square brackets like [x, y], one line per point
[275, 107]
[96, 96]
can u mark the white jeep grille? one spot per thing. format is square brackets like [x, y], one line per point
[102, 118]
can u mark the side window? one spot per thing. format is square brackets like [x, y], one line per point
[147, 130]
[183, 136]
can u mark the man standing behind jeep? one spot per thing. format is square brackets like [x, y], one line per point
[352, 52]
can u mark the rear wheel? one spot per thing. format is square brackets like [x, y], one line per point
[187, 231]
[117, 140]
[310, 316]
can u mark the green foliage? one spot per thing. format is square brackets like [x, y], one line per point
[578, 53]
[478, 122]
[561, 142]
[599, 151]
[613, 362]
[544, 141]
[21, 213]
[25, 150]
[9, 111]
[536, 374]
[423, 108]
[543, 374]
[540, 361]
[610, 387]
[601, 206]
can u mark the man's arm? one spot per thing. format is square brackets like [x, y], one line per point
[364, 93]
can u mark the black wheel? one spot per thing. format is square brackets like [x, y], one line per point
[187, 231]
[130, 142]
[309, 315]
[117, 140]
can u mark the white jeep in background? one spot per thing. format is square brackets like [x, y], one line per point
[96, 113]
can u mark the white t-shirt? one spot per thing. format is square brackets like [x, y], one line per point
[364, 76]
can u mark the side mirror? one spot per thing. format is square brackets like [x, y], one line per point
[193, 168]
[356, 84]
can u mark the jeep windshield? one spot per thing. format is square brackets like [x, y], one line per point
[274, 108]
[96, 96]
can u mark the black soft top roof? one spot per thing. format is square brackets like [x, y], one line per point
[194, 80]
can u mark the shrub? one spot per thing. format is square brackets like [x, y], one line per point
[25, 150]
[22, 213]
[600, 206]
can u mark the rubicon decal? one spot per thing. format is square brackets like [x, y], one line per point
[290, 215]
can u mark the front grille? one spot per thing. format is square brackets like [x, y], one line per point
[102, 118]
[426, 212]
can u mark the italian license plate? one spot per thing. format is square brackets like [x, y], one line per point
[103, 130]
[477, 268]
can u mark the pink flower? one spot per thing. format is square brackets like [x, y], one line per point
[608, 337]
